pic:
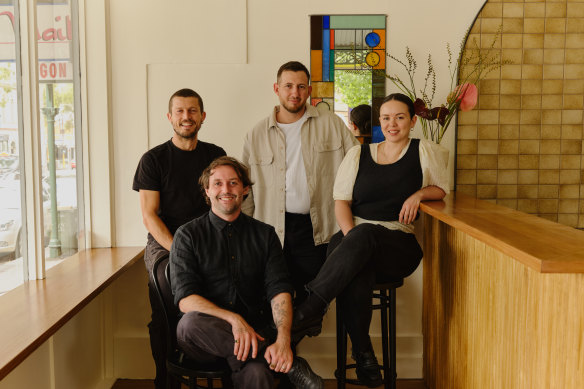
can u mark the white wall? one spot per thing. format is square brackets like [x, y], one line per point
[229, 51]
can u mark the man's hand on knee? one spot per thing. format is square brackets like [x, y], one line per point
[245, 338]
[279, 356]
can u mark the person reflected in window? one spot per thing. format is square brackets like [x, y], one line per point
[360, 123]
[377, 192]
[167, 182]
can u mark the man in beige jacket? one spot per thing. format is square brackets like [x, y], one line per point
[293, 156]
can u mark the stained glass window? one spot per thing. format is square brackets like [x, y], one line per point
[347, 64]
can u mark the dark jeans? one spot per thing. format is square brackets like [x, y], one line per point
[157, 326]
[303, 258]
[206, 338]
[368, 254]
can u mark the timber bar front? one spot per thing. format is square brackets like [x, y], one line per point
[503, 298]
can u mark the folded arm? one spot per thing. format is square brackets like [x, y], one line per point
[149, 204]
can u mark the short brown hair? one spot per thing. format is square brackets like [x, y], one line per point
[185, 92]
[240, 169]
[292, 66]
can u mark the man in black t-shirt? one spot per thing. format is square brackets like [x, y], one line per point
[167, 181]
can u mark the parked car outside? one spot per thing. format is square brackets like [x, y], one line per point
[11, 219]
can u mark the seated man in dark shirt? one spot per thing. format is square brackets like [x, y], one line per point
[226, 269]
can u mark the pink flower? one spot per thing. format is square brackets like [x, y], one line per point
[466, 95]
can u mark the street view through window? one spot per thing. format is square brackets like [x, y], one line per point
[58, 143]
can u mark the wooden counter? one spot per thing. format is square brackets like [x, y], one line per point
[503, 298]
[34, 311]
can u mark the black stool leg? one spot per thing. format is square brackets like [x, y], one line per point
[341, 373]
[384, 307]
[392, 345]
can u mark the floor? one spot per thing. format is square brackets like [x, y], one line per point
[329, 384]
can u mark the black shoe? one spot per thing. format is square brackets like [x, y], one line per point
[284, 382]
[367, 369]
[302, 376]
[303, 325]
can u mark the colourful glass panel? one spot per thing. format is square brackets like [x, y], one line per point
[326, 36]
[316, 33]
[323, 89]
[357, 21]
[348, 42]
[332, 39]
[316, 65]
[324, 105]
[381, 63]
[372, 39]
[381, 34]
[315, 101]
[332, 66]
[372, 59]
[345, 39]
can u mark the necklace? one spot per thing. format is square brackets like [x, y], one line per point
[385, 156]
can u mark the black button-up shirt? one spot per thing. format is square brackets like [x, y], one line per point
[239, 265]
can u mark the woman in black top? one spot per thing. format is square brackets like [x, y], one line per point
[377, 194]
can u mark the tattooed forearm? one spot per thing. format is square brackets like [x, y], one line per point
[282, 312]
[279, 312]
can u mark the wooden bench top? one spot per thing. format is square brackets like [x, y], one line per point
[542, 245]
[34, 311]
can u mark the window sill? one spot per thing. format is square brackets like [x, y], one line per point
[34, 311]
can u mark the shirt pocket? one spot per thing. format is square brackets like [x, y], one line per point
[327, 157]
[261, 160]
[262, 169]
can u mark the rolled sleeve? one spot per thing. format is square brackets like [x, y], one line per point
[346, 175]
[184, 271]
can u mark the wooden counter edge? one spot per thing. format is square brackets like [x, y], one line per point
[120, 259]
[461, 218]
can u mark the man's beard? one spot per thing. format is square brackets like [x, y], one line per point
[293, 110]
[187, 135]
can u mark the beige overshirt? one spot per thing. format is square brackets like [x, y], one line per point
[325, 139]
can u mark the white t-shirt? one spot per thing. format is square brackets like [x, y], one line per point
[297, 194]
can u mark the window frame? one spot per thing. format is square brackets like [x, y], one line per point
[29, 132]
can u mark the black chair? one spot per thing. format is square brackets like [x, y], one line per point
[385, 293]
[179, 366]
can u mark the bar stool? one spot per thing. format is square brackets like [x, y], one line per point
[385, 293]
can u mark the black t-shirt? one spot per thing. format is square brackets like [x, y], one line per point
[175, 174]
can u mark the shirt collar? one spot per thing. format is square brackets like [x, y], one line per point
[310, 112]
[220, 224]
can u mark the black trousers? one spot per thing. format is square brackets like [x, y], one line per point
[369, 253]
[206, 338]
[303, 258]
[157, 327]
